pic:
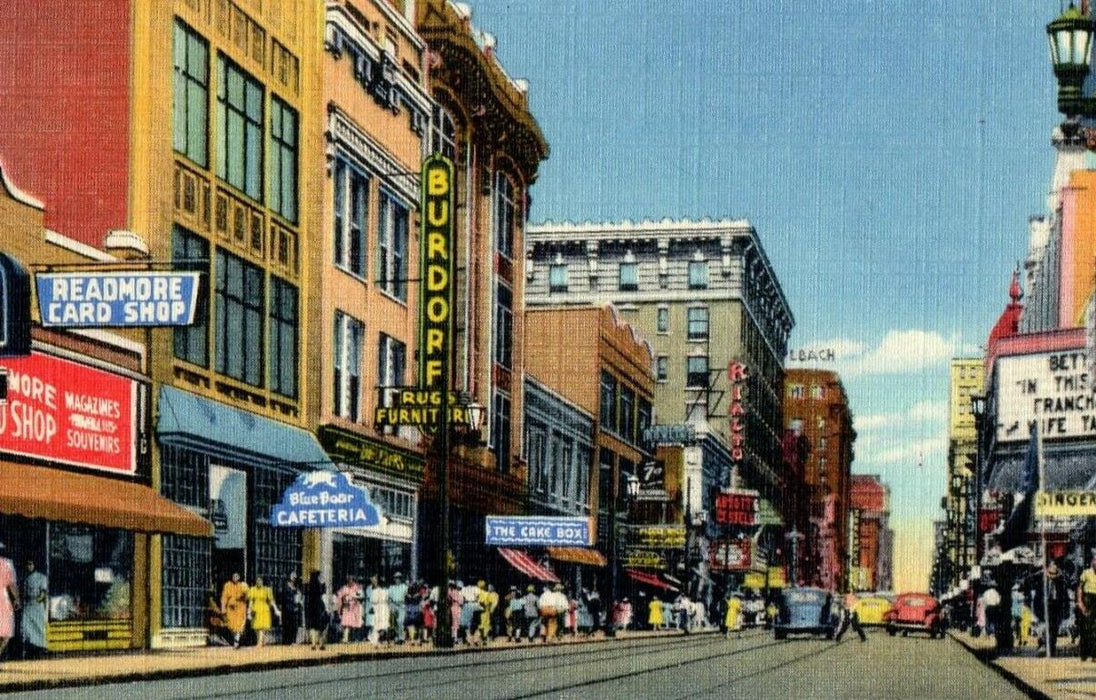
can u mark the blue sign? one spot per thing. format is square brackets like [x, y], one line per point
[538, 530]
[325, 499]
[121, 299]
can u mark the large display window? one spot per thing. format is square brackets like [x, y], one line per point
[90, 573]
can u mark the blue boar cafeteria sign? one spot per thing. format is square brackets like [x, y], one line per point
[325, 499]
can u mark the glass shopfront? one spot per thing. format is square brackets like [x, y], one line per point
[89, 571]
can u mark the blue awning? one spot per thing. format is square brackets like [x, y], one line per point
[205, 425]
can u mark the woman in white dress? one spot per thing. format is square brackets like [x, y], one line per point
[381, 614]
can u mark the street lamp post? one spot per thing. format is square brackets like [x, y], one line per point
[978, 410]
[473, 412]
[794, 537]
[631, 490]
[1070, 37]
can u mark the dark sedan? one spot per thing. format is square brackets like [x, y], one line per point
[805, 611]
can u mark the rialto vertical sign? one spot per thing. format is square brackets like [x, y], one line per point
[435, 315]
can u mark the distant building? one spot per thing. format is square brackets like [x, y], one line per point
[967, 377]
[816, 498]
[870, 540]
[706, 298]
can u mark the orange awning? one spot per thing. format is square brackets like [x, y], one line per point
[577, 555]
[53, 494]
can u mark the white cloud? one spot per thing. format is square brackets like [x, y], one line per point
[913, 453]
[901, 351]
[919, 413]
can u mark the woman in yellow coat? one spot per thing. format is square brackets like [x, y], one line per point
[260, 603]
[655, 619]
[234, 607]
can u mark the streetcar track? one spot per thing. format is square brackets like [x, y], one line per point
[642, 671]
[608, 650]
[757, 672]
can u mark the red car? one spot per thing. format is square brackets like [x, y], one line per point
[915, 612]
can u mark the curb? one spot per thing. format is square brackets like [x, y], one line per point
[340, 657]
[987, 656]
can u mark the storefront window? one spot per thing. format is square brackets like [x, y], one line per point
[90, 570]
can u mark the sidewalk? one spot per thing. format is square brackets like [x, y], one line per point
[1064, 676]
[116, 667]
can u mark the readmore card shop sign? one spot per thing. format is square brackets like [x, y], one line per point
[85, 300]
[538, 531]
[325, 498]
[67, 412]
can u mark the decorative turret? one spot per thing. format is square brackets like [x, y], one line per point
[1009, 322]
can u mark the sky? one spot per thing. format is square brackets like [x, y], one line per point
[889, 155]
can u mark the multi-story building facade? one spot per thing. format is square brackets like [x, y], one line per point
[481, 121]
[201, 145]
[378, 114]
[816, 407]
[76, 494]
[606, 373]
[870, 538]
[705, 296]
[967, 376]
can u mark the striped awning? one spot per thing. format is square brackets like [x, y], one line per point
[577, 555]
[525, 564]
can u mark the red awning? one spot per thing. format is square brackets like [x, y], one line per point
[649, 579]
[525, 564]
[577, 555]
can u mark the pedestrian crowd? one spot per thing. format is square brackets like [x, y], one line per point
[383, 613]
[29, 600]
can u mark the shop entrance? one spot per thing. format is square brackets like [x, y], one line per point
[228, 512]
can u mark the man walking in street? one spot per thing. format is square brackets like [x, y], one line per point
[851, 617]
[1086, 604]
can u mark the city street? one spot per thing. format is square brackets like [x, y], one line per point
[701, 666]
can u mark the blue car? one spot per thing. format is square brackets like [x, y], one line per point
[805, 611]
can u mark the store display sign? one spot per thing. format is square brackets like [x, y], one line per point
[1065, 503]
[126, 299]
[533, 530]
[659, 536]
[228, 506]
[438, 265]
[68, 412]
[731, 555]
[344, 446]
[1055, 389]
[737, 507]
[643, 559]
[325, 498]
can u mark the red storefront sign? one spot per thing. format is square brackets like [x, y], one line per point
[736, 507]
[988, 518]
[68, 412]
[731, 555]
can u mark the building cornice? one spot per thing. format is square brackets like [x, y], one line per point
[346, 137]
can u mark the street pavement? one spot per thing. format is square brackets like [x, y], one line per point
[1064, 677]
[663, 666]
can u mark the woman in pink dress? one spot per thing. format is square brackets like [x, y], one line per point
[456, 600]
[9, 600]
[348, 601]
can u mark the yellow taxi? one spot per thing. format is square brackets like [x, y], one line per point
[872, 608]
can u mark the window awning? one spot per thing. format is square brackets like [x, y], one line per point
[525, 564]
[206, 425]
[577, 555]
[649, 579]
[53, 494]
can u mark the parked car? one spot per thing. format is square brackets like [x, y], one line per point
[872, 610]
[805, 611]
[915, 612]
